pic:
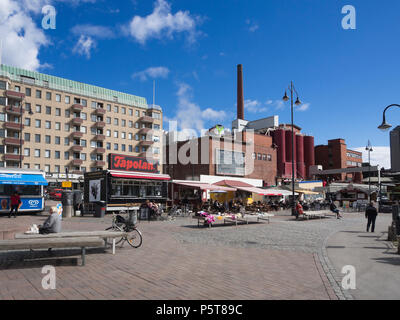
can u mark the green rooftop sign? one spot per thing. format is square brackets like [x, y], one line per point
[75, 87]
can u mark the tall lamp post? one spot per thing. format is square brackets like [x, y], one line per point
[21, 132]
[297, 103]
[369, 149]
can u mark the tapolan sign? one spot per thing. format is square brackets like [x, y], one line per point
[129, 163]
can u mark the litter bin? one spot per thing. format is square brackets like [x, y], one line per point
[99, 209]
[132, 217]
[67, 201]
[78, 202]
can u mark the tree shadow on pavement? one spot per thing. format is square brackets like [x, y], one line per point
[394, 261]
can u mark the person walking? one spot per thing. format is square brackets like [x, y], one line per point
[299, 209]
[15, 204]
[370, 214]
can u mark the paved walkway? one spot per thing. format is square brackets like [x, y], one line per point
[375, 260]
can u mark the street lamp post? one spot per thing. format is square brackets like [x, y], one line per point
[385, 126]
[297, 103]
[369, 149]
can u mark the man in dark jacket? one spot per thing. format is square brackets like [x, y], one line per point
[370, 214]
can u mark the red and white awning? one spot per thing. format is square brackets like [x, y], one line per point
[203, 186]
[139, 175]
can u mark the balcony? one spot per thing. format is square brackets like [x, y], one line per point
[99, 163]
[77, 134]
[13, 126]
[99, 150]
[77, 121]
[145, 130]
[13, 141]
[99, 137]
[99, 124]
[146, 119]
[76, 162]
[100, 111]
[77, 107]
[14, 95]
[76, 148]
[13, 157]
[15, 110]
[146, 143]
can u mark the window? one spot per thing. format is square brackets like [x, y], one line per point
[115, 134]
[130, 124]
[27, 137]
[269, 157]
[136, 137]
[83, 156]
[58, 112]
[122, 147]
[264, 157]
[116, 146]
[115, 121]
[143, 136]
[57, 168]
[47, 153]
[108, 120]
[123, 123]
[67, 113]
[156, 116]
[48, 110]
[84, 129]
[37, 166]
[67, 99]
[94, 104]
[83, 116]
[156, 150]
[130, 136]
[108, 146]
[93, 118]
[48, 96]
[143, 149]
[123, 135]
[47, 168]
[48, 124]
[130, 112]
[3, 85]
[259, 156]
[66, 155]
[123, 110]
[137, 149]
[137, 113]
[58, 125]
[143, 113]
[2, 117]
[2, 101]
[27, 122]
[66, 127]
[137, 125]
[83, 143]
[156, 127]
[18, 88]
[66, 141]
[93, 131]
[108, 133]
[109, 107]
[84, 102]
[38, 109]
[38, 94]
[57, 140]
[27, 152]
[37, 153]
[28, 92]
[37, 138]
[116, 109]
[37, 123]
[48, 139]
[130, 148]
[58, 97]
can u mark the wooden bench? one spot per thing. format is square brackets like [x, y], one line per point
[78, 234]
[79, 242]
[312, 214]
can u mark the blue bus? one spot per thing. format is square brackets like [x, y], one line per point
[29, 185]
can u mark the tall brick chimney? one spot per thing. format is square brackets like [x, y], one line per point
[240, 98]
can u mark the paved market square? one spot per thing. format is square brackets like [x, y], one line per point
[283, 259]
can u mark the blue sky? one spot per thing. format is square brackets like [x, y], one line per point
[191, 48]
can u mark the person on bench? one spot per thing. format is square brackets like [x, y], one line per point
[52, 223]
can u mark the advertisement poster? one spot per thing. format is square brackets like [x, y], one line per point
[94, 190]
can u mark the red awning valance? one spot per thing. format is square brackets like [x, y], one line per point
[139, 175]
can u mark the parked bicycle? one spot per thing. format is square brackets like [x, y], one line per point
[133, 235]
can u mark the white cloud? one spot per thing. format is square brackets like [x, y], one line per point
[190, 117]
[252, 26]
[379, 156]
[162, 23]
[254, 106]
[84, 46]
[21, 38]
[303, 107]
[152, 72]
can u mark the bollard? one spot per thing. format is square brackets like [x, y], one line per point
[67, 202]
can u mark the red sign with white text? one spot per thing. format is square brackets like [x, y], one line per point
[129, 163]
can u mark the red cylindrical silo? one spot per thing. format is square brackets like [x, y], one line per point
[309, 156]
[288, 138]
[300, 156]
[279, 140]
